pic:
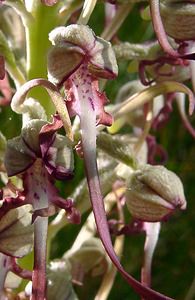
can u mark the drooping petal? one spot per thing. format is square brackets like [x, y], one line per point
[30, 135]
[16, 232]
[152, 233]
[18, 157]
[23, 150]
[103, 61]
[10, 203]
[59, 281]
[85, 105]
[19, 104]
[63, 60]
[56, 151]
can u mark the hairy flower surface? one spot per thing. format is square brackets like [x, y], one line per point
[41, 156]
[122, 163]
[153, 193]
[78, 59]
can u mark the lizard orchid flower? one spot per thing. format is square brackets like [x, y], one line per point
[153, 193]
[40, 155]
[78, 59]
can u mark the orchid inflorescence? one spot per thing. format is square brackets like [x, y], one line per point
[53, 72]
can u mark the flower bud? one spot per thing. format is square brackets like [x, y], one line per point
[178, 18]
[153, 193]
[131, 51]
[164, 72]
[90, 257]
[16, 231]
[59, 281]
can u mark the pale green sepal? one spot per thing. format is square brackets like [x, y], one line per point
[59, 285]
[178, 19]
[74, 43]
[30, 134]
[16, 232]
[103, 62]
[33, 110]
[12, 281]
[90, 257]
[18, 157]
[165, 182]
[6, 51]
[63, 156]
[77, 35]
[63, 59]
[9, 19]
[153, 193]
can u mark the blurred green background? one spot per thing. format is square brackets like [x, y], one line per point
[174, 260]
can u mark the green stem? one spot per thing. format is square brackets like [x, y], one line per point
[16, 75]
[45, 19]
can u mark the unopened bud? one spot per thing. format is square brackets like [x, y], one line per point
[178, 18]
[153, 193]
